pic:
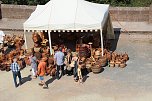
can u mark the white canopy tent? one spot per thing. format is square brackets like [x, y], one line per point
[70, 15]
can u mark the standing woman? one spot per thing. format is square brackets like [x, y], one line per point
[75, 62]
[67, 60]
[33, 65]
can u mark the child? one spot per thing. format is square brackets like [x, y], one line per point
[41, 72]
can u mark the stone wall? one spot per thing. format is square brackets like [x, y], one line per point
[17, 11]
[150, 14]
[0, 11]
[136, 14]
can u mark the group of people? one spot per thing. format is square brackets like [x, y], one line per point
[65, 62]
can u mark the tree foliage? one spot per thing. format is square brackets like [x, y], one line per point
[131, 3]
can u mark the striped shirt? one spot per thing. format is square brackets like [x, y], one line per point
[15, 67]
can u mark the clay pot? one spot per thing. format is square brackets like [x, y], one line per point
[125, 56]
[122, 65]
[117, 65]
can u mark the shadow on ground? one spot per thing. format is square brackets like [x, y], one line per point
[50, 80]
[25, 79]
[115, 41]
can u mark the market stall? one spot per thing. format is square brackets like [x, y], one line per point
[70, 16]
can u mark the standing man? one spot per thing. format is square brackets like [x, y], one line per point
[59, 61]
[1, 38]
[16, 72]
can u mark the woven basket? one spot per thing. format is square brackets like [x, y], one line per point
[96, 69]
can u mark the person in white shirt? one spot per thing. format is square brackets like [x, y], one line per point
[1, 38]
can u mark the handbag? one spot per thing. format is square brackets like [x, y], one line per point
[72, 64]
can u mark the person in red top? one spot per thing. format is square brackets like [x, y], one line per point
[41, 72]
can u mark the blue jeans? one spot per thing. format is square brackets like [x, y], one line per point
[58, 68]
[15, 74]
[75, 72]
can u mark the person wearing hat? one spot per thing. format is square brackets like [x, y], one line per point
[42, 71]
[59, 61]
[16, 72]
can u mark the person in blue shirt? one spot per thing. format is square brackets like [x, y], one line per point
[59, 61]
[16, 72]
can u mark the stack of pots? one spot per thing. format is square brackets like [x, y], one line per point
[100, 61]
[119, 60]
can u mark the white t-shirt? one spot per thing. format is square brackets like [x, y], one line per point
[1, 36]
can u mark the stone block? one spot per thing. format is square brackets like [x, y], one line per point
[150, 14]
[0, 11]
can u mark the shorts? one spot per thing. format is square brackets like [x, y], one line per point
[41, 78]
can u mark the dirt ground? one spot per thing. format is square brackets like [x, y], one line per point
[133, 83]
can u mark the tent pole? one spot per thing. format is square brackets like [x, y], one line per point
[101, 40]
[50, 44]
[25, 40]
